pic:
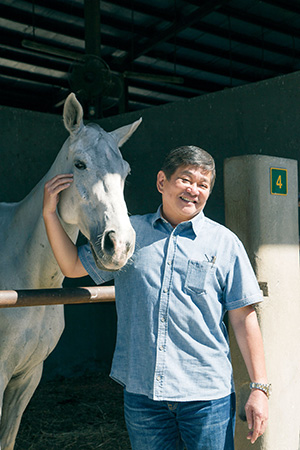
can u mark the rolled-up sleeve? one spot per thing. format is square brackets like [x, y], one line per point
[88, 262]
[242, 288]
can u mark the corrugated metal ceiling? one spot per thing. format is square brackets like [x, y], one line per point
[123, 55]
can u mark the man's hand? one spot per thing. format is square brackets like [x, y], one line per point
[257, 414]
[52, 189]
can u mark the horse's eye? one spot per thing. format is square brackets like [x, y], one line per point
[80, 165]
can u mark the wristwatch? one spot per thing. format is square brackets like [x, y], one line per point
[266, 388]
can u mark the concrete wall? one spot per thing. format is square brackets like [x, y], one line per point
[268, 226]
[260, 118]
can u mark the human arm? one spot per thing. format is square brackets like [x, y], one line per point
[64, 250]
[247, 332]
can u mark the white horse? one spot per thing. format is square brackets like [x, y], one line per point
[94, 204]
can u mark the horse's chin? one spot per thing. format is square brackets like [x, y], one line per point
[107, 263]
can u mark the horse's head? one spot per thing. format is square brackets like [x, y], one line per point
[95, 201]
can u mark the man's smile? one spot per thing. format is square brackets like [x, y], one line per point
[188, 200]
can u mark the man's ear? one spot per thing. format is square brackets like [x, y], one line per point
[161, 177]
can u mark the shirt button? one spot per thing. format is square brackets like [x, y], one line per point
[165, 290]
[161, 348]
[158, 378]
[162, 319]
[169, 263]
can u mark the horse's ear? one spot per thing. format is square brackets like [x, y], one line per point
[73, 114]
[121, 135]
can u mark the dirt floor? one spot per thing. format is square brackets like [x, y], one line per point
[84, 413]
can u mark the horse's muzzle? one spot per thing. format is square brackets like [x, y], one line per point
[114, 250]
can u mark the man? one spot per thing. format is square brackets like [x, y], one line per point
[172, 353]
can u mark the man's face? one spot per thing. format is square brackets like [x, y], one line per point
[185, 194]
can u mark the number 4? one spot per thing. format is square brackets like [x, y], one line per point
[279, 182]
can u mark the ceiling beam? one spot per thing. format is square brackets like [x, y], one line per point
[182, 22]
[92, 27]
[9, 39]
[32, 77]
[251, 41]
[286, 5]
[231, 75]
[197, 84]
[232, 55]
[259, 21]
[33, 58]
[164, 89]
[224, 69]
[39, 21]
[78, 32]
[161, 13]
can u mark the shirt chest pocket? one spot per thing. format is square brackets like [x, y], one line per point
[199, 274]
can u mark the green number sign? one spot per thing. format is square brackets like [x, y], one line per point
[279, 181]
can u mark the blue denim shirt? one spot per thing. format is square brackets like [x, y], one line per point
[171, 298]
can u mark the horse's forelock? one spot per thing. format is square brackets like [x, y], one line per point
[107, 137]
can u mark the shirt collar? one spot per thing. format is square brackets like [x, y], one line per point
[195, 223]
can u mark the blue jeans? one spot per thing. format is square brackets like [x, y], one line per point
[162, 425]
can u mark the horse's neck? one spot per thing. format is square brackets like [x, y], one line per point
[27, 233]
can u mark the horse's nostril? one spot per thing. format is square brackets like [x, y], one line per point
[113, 246]
[109, 242]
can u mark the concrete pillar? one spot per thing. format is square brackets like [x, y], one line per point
[261, 198]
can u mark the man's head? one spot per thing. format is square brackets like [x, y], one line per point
[185, 182]
[189, 155]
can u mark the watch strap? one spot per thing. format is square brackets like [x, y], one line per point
[265, 387]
